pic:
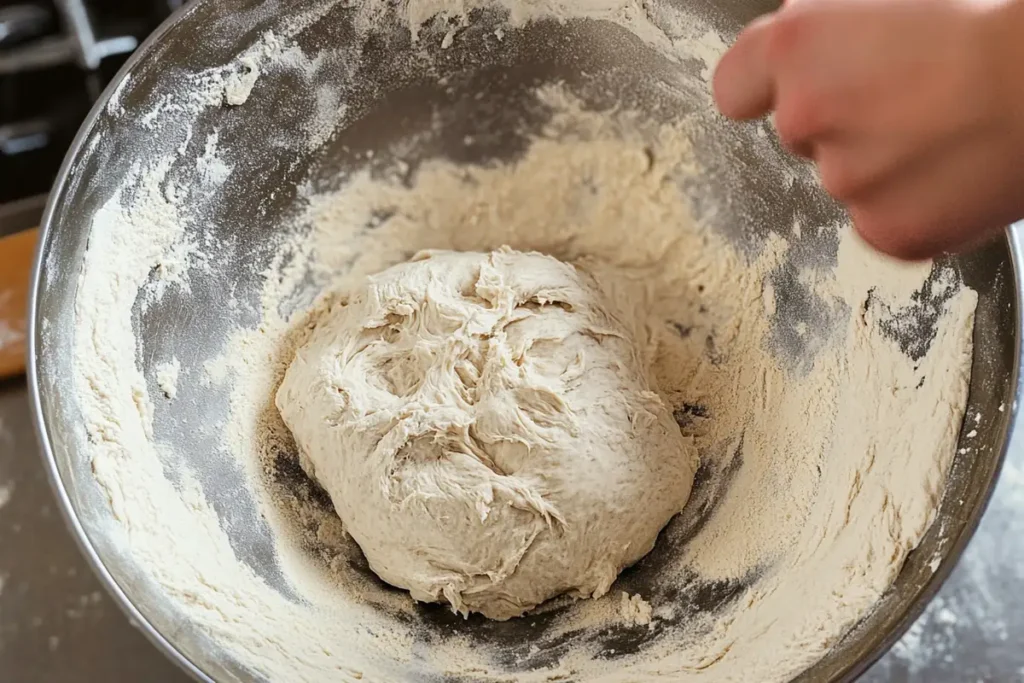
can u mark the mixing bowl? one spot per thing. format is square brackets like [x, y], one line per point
[477, 92]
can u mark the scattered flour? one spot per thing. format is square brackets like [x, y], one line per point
[708, 48]
[211, 166]
[807, 495]
[270, 50]
[167, 377]
[239, 85]
[635, 610]
[814, 489]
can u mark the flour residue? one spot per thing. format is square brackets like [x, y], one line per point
[634, 609]
[809, 495]
[971, 624]
[167, 377]
[826, 426]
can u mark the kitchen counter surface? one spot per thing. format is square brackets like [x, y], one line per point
[57, 625]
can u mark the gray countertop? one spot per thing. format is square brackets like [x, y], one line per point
[57, 625]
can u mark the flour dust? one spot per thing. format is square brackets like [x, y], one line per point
[825, 426]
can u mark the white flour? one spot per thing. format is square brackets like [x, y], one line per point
[970, 626]
[167, 377]
[634, 609]
[824, 458]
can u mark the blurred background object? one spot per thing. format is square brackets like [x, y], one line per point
[15, 266]
[56, 56]
[56, 623]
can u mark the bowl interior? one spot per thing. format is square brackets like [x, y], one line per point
[477, 91]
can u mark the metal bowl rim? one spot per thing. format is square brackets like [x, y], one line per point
[67, 510]
[1014, 236]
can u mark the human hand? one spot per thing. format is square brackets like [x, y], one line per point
[912, 109]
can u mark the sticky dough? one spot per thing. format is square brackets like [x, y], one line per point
[488, 430]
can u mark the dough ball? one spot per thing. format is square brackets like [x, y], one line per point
[487, 430]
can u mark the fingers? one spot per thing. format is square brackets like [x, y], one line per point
[767, 69]
[853, 165]
[921, 166]
[942, 207]
[743, 84]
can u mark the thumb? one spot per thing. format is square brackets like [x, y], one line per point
[743, 85]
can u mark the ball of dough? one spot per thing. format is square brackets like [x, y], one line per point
[487, 431]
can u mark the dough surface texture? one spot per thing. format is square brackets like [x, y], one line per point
[488, 429]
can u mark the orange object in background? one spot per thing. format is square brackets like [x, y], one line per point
[16, 253]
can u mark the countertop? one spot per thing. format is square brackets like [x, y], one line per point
[57, 625]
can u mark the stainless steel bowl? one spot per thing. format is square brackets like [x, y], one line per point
[107, 145]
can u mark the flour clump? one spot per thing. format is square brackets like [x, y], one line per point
[488, 429]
